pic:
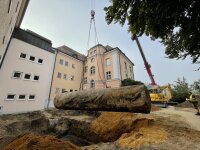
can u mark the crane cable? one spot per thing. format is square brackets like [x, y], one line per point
[92, 20]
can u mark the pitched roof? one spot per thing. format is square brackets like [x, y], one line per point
[67, 50]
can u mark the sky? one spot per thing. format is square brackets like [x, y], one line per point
[66, 22]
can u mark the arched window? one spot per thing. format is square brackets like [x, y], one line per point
[92, 70]
[92, 84]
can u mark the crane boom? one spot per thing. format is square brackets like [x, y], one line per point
[146, 64]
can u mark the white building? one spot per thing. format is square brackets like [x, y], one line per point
[26, 73]
[11, 15]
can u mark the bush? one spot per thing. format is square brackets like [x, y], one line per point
[127, 82]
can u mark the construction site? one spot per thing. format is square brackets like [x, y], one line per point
[61, 99]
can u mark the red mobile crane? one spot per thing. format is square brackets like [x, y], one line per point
[146, 64]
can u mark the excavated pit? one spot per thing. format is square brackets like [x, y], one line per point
[91, 130]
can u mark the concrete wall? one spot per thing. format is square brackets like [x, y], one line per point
[10, 85]
[66, 84]
[8, 20]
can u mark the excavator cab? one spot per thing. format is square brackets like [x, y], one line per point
[160, 95]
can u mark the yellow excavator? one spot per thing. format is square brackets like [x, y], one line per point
[161, 95]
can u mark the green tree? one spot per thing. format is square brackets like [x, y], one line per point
[181, 90]
[127, 82]
[176, 23]
[196, 86]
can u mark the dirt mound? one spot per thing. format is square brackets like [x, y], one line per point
[32, 142]
[143, 135]
[186, 104]
[111, 125]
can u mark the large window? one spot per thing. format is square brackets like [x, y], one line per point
[92, 70]
[59, 75]
[66, 63]
[92, 84]
[61, 62]
[108, 62]
[73, 65]
[65, 76]
[108, 75]
[86, 69]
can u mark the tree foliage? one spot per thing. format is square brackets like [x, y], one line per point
[181, 90]
[195, 87]
[175, 22]
[127, 82]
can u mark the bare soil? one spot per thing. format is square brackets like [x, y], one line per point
[162, 129]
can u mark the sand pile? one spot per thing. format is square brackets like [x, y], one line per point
[34, 142]
[130, 130]
[143, 135]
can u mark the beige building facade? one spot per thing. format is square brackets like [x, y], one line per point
[68, 72]
[106, 67]
[11, 15]
[26, 74]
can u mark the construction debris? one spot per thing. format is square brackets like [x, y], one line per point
[131, 99]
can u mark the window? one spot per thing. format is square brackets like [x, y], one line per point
[65, 76]
[22, 97]
[108, 62]
[71, 90]
[31, 97]
[57, 91]
[23, 55]
[61, 62]
[72, 77]
[40, 61]
[130, 68]
[32, 58]
[59, 75]
[91, 53]
[76, 90]
[125, 65]
[27, 76]
[108, 75]
[73, 65]
[10, 97]
[9, 6]
[92, 84]
[66, 63]
[86, 69]
[85, 80]
[36, 78]
[92, 70]
[17, 75]
[126, 75]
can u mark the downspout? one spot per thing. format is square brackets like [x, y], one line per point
[82, 80]
[52, 79]
[120, 68]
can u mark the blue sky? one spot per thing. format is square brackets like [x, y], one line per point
[66, 22]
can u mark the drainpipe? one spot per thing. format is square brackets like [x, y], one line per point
[120, 68]
[52, 79]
